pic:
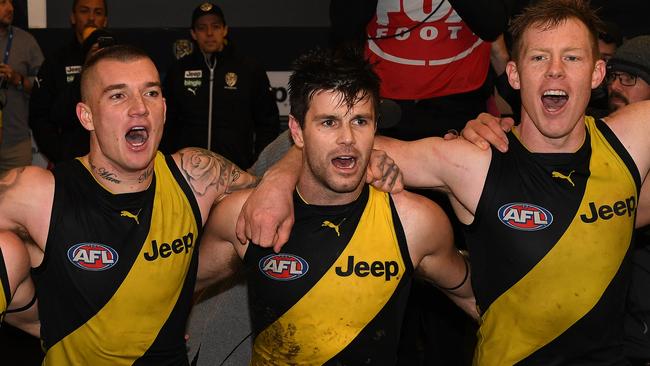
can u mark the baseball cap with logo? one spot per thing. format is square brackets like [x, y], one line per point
[205, 9]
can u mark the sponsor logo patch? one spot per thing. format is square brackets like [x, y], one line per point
[193, 74]
[525, 216]
[92, 256]
[231, 80]
[73, 70]
[182, 48]
[283, 267]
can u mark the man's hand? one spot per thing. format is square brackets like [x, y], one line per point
[267, 217]
[8, 73]
[487, 129]
[383, 174]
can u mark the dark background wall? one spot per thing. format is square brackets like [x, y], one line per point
[273, 32]
[177, 13]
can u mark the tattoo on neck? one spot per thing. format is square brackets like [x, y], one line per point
[111, 177]
[147, 173]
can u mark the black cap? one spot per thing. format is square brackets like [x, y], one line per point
[207, 8]
[633, 57]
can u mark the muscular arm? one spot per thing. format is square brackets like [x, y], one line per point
[430, 240]
[26, 196]
[630, 124]
[211, 176]
[220, 252]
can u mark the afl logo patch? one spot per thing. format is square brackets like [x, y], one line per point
[92, 256]
[525, 216]
[283, 267]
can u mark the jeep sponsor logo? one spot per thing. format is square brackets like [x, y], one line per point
[525, 216]
[164, 250]
[73, 70]
[193, 74]
[283, 267]
[92, 256]
[606, 212]
[387, 269]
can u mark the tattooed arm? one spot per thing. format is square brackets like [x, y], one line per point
[211, 176]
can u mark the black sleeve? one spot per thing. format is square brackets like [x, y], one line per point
[486, 18]
[265, 111]
[348, 20]
[167, 144]
[41, 103]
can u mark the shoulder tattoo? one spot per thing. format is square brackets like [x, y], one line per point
[204, 169]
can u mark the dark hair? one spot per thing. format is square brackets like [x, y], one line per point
[610, 33]
[548, 14]
[75, 2]
[345, 71]
[122, 53]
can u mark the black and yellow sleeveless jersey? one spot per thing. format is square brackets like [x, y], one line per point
[549, 251]
[116, 282]
[5, 290]
[337, 292]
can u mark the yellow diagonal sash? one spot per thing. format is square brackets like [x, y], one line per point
[124, 329]
[568, 282]
[336, 309]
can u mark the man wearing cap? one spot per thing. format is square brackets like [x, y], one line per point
[52, 117]
[628, 71]
[217, 99]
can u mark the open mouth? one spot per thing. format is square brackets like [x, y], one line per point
[137, 136]
[344, 162]
[554, 99]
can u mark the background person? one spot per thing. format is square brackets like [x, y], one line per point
[21, 59]
[216, 98]
[52, 116]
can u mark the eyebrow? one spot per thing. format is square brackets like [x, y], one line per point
[335, 117]
[548, 50]
[112, 87]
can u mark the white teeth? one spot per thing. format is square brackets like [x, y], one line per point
[138, 128]
[556, 93]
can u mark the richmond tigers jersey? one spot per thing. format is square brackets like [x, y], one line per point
[549, 252]
[118, 274]
[337, 292]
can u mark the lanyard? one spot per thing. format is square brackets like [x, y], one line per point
[8, 48]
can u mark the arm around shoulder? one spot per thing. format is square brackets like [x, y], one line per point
[220, 251]
[430, 240]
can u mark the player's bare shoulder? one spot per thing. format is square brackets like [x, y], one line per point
[29, 183]
[630, 125]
